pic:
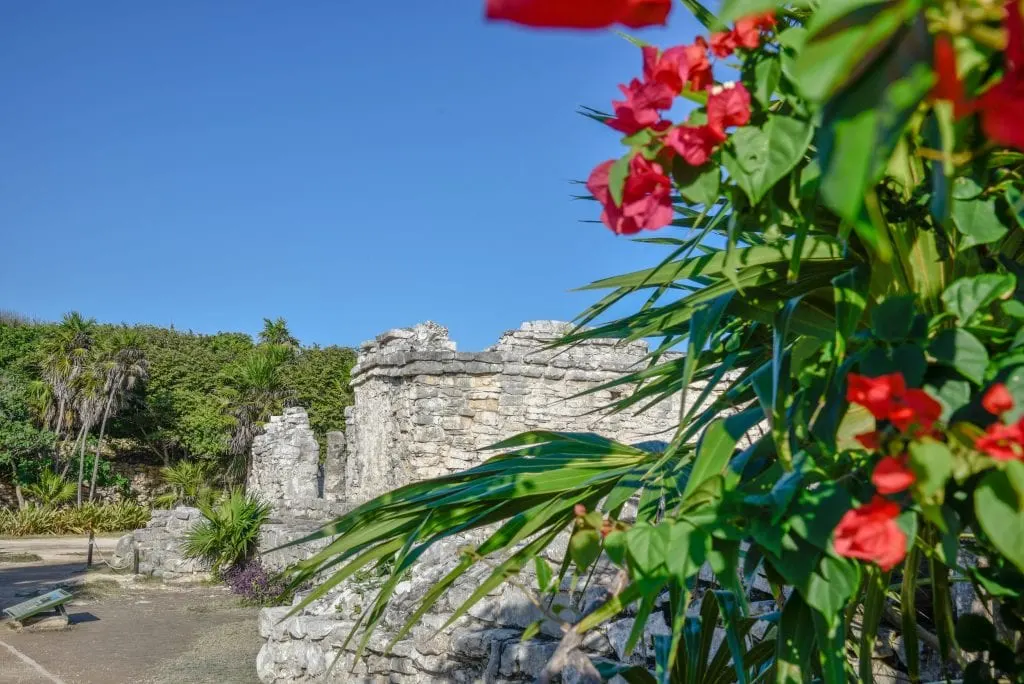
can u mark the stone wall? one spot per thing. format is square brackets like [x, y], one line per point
[423, 409]
[159, 544]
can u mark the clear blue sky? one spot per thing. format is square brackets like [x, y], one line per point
[351, 166]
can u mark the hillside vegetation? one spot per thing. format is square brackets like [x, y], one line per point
[77, 396]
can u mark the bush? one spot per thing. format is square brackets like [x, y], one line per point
[256, 585]
[119, 517]
[187, 483]
[52, 489]
[230, 534]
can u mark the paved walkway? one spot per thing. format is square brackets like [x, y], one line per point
[122, 630]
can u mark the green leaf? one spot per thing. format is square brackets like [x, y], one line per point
[767, 73]
[758, 157]
[999, 506]
[850, 290]
[617, 175]
[974, 217]
[698, 184]
[891, 320]
[830, 631]
[861, 125]
[544, 575]
[730, 609]
[716, 448]
[532, 630]
[737, 9]
[795, 643]
[874, 603]
[961, 351]
[704, 16]
[647, 547]
[932, 464]
[908, 611]
[968, 296]
[844, 39]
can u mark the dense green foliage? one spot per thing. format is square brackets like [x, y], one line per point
[76, 395]
[230, 533]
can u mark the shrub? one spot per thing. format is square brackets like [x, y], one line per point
[52, 489]
[187, 482]
[256, 585]
[230, 534]
[35, 520]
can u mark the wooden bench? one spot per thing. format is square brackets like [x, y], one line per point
[53, 600]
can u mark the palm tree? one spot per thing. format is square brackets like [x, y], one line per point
[258, 390]
[275, 332]
[89, 400]
[124, 365]
[64, 355]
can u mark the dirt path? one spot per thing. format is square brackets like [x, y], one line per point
[122, 630]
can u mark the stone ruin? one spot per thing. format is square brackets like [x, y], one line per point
[423, 409]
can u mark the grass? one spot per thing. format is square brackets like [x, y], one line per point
[7, 557]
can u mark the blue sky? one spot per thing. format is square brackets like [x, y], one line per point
[351, 166]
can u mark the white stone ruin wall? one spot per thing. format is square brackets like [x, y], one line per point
[423, 409]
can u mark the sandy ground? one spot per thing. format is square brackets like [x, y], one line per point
[123, 630]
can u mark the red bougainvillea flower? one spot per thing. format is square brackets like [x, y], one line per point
[948, 86]
[591, 14]
[745, 34]
[915, 412]
[892, 475]
[871, 441]
[875, 394]
[723, 43]
[694, 144]
[747, 31]
[1002, 442]
[1001, 104]
[641, 107]
[728, 105]
[870, 533]
[646, 200]
[670, 67]
[701, 76]
[997, 399]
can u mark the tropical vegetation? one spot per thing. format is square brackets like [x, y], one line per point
[841, 215]
[78, 397]
[229, 535]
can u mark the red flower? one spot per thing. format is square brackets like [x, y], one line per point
[640, 108]
[915, 409]
[870, 533]
[670, 67]
[949, 86]
[723, 43]
[728, 105]
[997, 399]
[870, 440]
[875, 394]
[1002, 442]
[700, 68]
[892, 475]
[1000, 105]
[693, 143]
[591, 14]
[747, 31]
[646, 202]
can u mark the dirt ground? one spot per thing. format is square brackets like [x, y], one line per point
[123, 629]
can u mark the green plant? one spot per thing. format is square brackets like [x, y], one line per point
[188, 482]
[39, 520]
[847, 274]
[51, 489]
[230, 533]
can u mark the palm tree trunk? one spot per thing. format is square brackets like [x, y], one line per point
[56, 434]
[81, 461]
[99, 445]
[74, 448]
[17, 487]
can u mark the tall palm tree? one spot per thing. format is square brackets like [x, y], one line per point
[275, 332]
[64, 355]
[258, 389]
[124, 366]
[89, 400]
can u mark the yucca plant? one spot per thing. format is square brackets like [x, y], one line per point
[230, 533]
[846, 270]
[51, 489]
